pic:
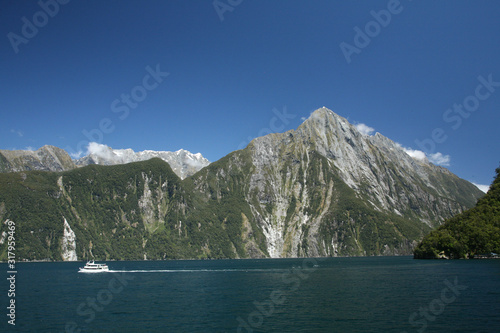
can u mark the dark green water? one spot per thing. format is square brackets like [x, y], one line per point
[376, 294]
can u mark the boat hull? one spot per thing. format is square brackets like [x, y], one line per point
[83, 270]
[92, 267]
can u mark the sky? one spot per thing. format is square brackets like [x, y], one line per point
[209, 76]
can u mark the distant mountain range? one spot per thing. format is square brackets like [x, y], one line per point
[47, 158]
[50, 158]
[324, 189]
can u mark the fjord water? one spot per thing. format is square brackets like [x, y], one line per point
[370, 294]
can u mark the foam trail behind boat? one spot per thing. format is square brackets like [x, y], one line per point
[192, 270]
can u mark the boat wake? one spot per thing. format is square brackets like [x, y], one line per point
[192, 270]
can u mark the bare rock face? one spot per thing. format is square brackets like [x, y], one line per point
[50, 158]
[47, 158]
[325, 189]
[68, 247]
[182, 162]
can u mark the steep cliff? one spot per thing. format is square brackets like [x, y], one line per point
[475, 232]
[323, 189]
[182, 162]
[47, 158]
[50, 158]
[327, 189]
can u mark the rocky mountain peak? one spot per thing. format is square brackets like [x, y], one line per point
[372, 165]
[182, 162]
[46, 158]
[51, 158]
[325, 119]
[324, 189]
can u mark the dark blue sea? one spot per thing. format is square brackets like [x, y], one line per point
[374, 294]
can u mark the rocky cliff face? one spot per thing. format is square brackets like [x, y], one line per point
[50, 158]
[475, 232]
[47, 158]
[68, 246]
[381, 171]
[323, 189]
[182, 162]
[327, 189]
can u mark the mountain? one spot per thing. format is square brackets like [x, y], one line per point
[47, 158]
[50, 158]
[327, 189]
[134, 211]
[323, 189]
[183, 162]
[474, 232]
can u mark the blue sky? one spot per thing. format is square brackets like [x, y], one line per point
[425, 74]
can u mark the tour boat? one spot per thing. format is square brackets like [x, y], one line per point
[92, 267]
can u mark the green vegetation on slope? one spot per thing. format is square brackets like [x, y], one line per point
[476, 231]
[30, 198]
[126, 212]
[100, 203]
[144, 210]
[352, 221]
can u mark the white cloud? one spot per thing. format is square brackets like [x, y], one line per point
[17, 132]
[76, 155]
[364, 129]
[102, 151]
[416, 154]
[439, 159]
[194, 163]
[483, 188]
[436, 158]
[96, 148]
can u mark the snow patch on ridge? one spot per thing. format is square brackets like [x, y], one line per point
[182, 162]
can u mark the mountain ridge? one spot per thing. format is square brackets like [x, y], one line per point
[372, 179]
[183, 162]
[473, 233]
[323, 189]
[51, 158]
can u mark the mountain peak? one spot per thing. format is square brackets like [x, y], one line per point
[326, 128]
[46, 158]
[182, 162]
[51, 158]
[324, 112]
[324, 189]
[321, 110]
[326, 117]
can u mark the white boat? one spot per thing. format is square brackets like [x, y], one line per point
[92, 267]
